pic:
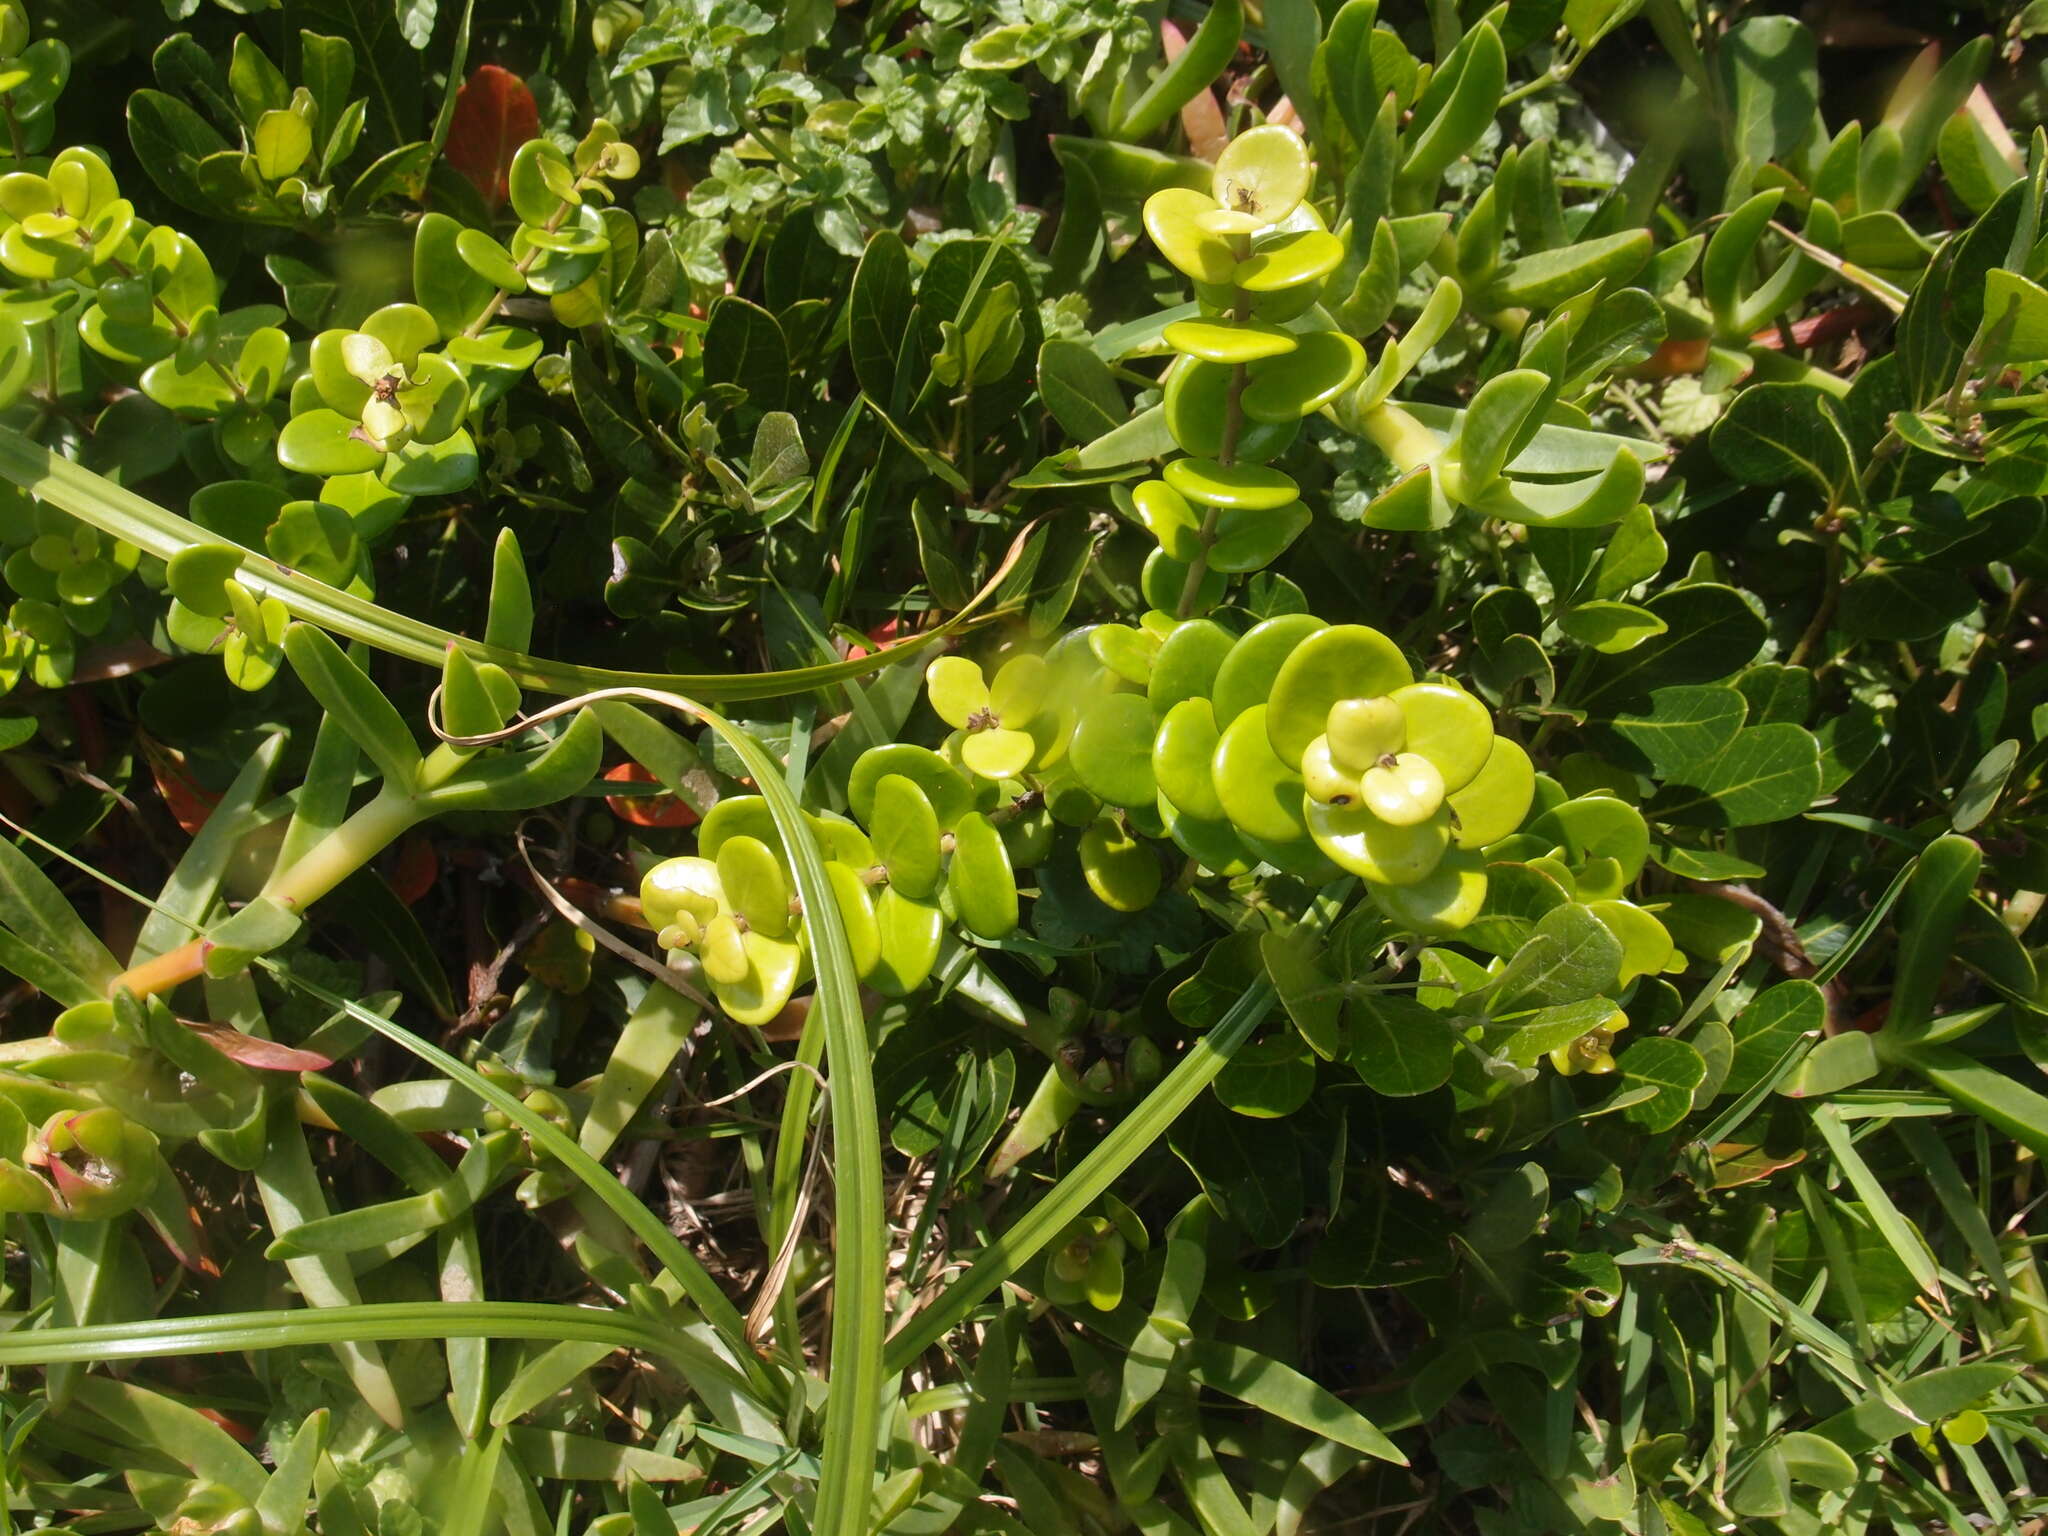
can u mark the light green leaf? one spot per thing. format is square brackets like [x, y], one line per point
[1610, 626]
[1841, 1061]
[1079, 390]
[1569, 956]
[1685, 726]
[1286, 1394]
[42, 938]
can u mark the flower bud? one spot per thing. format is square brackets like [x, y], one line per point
[101, 1162]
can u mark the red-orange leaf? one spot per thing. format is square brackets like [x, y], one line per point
[188, 803]
[270, 1055]
[418, 868]
[494, 115]
[646, 810]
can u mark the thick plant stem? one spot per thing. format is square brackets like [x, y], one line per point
[1774, 366]
[1403, 439]
[1233, 425]
[345, 850]
[525, 265]
[1831, 591]
[1226, 455]
[330, 861]
[172, 968]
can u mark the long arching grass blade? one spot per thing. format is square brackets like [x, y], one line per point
[859, 1254]
[93, 499]
[382, 1322]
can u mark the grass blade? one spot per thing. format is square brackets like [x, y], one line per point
[113, 509]
[1930, 1153]
[291, 1194]
[384, 1322]
[695, 1281]
[838, 1022]
[1905, 1241]
[860, 1258]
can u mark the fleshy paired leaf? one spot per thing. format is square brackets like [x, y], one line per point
[347, 694]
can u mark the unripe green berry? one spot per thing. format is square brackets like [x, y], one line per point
[1070, 1260]
[683, 933]
[1323, 779]
[724, 952]
[1143, 1063]
[676, 886]
[1403, 790]
[1362, 731]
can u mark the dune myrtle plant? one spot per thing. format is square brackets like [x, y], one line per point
[978, 768]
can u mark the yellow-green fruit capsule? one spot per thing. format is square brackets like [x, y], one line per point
[725, 952]
[1593, 1051]
[677, 886]
[1403, 789]
[1070, 1261]
[1323, 779]
[683, 933]
[1362, 731]
[1449, 727]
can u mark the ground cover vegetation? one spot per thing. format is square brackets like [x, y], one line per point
[1022, 766]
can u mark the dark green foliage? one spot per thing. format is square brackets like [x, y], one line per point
[1373, 859]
